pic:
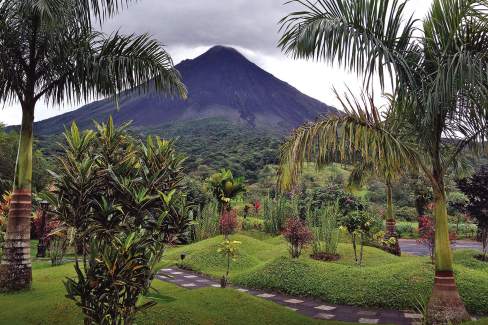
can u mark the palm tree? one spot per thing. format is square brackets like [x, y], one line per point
[438, 76]
[360, 174]
[49, 50]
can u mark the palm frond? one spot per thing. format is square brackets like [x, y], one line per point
[366, 36]
[359, 135]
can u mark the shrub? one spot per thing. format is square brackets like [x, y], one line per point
[321, 197]
[406, 230]
[326, 234]
[225, 187]
[116, 192]
[406, 213]
[252, 224]
[298, 235]
[476, 189]
[228, 222]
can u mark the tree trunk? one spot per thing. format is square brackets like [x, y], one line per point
[391, 222]
[15, 270]
[445, 304]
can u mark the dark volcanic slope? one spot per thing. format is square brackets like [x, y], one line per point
[221, 83]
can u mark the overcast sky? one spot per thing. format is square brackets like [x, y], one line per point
[189, 27]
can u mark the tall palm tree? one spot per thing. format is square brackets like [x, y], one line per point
[49, 50]
[437, 69]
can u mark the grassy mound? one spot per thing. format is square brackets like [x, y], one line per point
[384, 280]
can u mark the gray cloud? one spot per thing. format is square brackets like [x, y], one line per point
[251, 24]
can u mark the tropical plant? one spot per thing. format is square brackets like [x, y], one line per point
[230, 250]
[326, 233]
[206, 222]
[298, 235]
[178, 223]
[388, 172]
[117, 193]
[476, 189]
[438, 77]
[276, 211]
[49, 50]
[58, 240]
[225, 187]
[228, 222]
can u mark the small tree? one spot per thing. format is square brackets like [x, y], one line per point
[358, 225]
[230, 250]
[476, 189]
[298, 235]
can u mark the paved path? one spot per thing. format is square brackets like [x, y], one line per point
[309, 307]
[412, 247]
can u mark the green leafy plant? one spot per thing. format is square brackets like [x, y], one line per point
[358, 225]
[326, 233]
[230, 250]
[206, 222]
[225, 187]
[276, 211]
[117, 193]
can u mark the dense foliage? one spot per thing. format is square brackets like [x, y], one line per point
[476, 189]
[298, 235]
[118, 194]
[213, 143]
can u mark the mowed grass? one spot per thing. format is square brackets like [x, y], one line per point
[46, 304]
[384, 280]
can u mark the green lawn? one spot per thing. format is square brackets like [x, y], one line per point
[384, 280]
[46, 304]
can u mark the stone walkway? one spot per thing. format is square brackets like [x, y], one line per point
[309, 307]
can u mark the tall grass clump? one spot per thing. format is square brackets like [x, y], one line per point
[206, 222]
[326, 232]
[276, 211]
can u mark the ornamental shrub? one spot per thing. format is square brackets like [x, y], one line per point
[298, 235]
[228, 222]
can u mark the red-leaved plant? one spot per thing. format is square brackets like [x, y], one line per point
[257, 206]
[427, 234]
[298, 235]
[228, 222]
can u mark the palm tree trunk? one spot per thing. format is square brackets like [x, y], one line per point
[390, 221]
[15, 270]
[445, 304]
